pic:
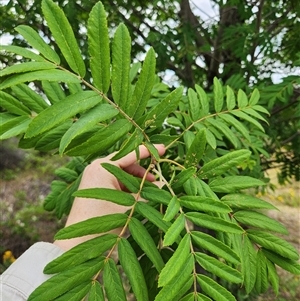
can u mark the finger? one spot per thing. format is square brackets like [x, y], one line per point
[139, 171]
[143, 154]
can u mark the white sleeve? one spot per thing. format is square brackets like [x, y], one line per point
[26, 273]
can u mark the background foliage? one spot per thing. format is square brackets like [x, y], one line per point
[80, 99]
[247, 44]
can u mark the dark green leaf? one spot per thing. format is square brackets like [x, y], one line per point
[61, 111]
[13, 105]
[194, 104]
[86, 122]
[182, 177]
[158, 114]
[94, 225]
[132, 269]
[145, 241]
[244, 201]
[112, 282]
[203, 203]
[218, 95]
[30, 98]
[203, 100]
[35, 40]
[65, 281]
[121, 48]
[232, 184]
[215, 246]
[172, 209]
[273, 276]
[50, 75]
[129, 145]
[261, 283]
[259, 220]
[214, 223]
[83, 252]
[76, 293]
[214, 290]
[143, 87]
[17, 126]
[173, 233]
[63, 35]
[196, 150]
[99, 49]
[218, 268]
[220, 165]
[156, 195]
[177, 262]
[53, 91]
[273, 243]
[102, 140]
[132, 183]
[96, 292]
[112, 195]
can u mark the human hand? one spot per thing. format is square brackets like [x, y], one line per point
[95, 176]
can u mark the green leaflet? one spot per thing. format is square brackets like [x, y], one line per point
[156, 195]
[134, 69]
[86, 122]
[220, 165]
[224, 129]
[211, 139]
[242, 99]
[259, 220]
[248, 118]
[218, 268]
[195, 297]
[194, 104]
[237, 124]
[53, 91]
[27, 67]
[273, 276]
[131, 183]
[145, 241]
[50, 200]
[190, 186]
[176, 263]
[254, 97]
[203, 203]
[107, 194]
[261, 283]
[95, 225]
[172, 209]
[143, 87]
[244, 201]
[196, 150]
[112, 282]
[152, 215]
[129, 145]
[215, 246]
[96, 292]
[252, 112]
[182, 177]
[152, 150]
[218, 95]
[289, 265]
[15, 127]
[102, 140]
[121, 48]
[99, 49]
[35, 40]
[214, 223]
[61, 111]
[173, 233]
[159, 112]
[232, 184]
[63, 35]
[203, 100]
[67, 280]
[214, 290]
[30, 98]
[76, 293]
[67, 174]
[230, 98]
[204, 190]
[180, 283]
[50, 75]
[13, 105]
[273, 243]
[261, 109]
[132, 269]
[248, 259]
[22, 52]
